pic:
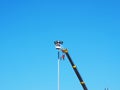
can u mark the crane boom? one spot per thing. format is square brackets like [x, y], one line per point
[75, 69]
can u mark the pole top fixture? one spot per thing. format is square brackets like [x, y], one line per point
[58, 44]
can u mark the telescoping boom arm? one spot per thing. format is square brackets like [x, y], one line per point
[75, 69]
[59, 48]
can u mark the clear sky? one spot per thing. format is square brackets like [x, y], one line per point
[90, 30]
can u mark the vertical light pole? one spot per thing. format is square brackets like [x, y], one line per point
[58, 71]
[58, 47]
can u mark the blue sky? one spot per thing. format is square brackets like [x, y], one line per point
[90, 30]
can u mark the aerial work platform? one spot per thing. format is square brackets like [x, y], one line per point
[58, 46]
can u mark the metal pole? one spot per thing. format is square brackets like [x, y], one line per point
[58, 72]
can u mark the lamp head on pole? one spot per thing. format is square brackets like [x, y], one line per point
[58, 44]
